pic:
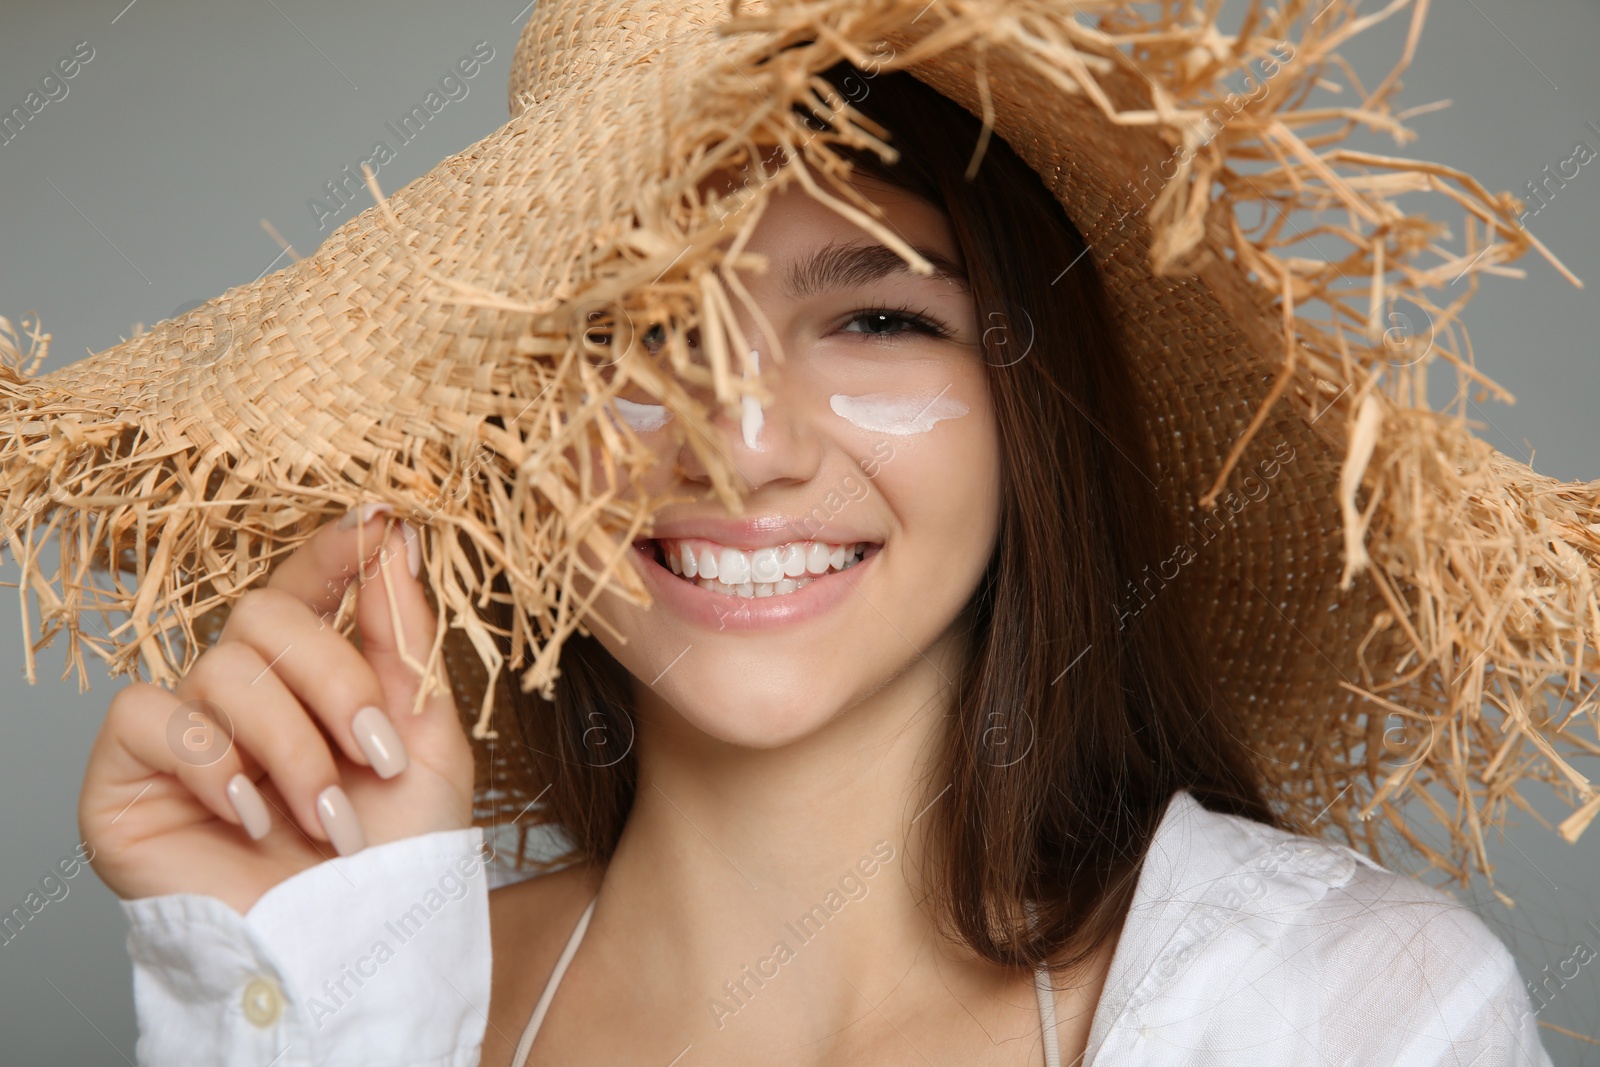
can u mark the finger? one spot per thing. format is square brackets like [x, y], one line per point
[318, 571]
[270, 724]
[324, 671]
[149, 730]
[390, 596]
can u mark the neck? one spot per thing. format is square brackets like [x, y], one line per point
[752, 883]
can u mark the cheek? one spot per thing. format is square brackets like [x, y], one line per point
[607, 476]
[608, 473]
[943, 485]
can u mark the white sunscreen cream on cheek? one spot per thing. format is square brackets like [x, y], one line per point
[640, 418]
[895, 413]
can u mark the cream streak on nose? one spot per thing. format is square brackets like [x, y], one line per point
[750, 415]
[894, 413]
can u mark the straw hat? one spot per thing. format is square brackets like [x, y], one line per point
[1395, 608]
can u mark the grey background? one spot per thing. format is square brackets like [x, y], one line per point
[142, 192]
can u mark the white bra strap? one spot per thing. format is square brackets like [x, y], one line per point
[1047, 1013]
[525, 1045]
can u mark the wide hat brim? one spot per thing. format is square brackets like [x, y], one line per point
[1393, 608]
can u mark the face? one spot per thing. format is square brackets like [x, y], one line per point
[872, 488]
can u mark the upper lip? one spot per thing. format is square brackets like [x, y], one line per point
[755, 531]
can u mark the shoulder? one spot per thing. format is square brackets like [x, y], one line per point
[538, 912]
[1276, 931]
[1390, 934]
[1383, 945]
[1345, 910]
[1355, 914]
[529, 923]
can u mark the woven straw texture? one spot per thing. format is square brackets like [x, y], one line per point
[1395, 608]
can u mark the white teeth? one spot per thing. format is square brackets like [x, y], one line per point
[763, 572]
[766, 565]
[775, 589]
[733, 567]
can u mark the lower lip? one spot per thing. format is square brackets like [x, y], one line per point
[718, 611]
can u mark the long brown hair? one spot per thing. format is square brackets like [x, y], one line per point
[1073, 724]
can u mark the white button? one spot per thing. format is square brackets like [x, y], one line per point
[263, 1002]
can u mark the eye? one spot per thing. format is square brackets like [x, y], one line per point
[656, 336]
[888, 322]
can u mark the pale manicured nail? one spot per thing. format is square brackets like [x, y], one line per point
[249, 806]
[375, 734]
[363, 515]
[413, 548]
[339, 821]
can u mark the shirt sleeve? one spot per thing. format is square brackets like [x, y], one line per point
[379, 958]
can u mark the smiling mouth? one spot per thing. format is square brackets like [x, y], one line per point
[777, 570]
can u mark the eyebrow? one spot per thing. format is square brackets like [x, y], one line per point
[841, 266]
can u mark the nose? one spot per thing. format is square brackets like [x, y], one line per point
[773, 445]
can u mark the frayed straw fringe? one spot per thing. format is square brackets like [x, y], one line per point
[1489, 570]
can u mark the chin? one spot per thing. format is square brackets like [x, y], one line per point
[756, 717]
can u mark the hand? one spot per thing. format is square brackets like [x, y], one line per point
[156, 805]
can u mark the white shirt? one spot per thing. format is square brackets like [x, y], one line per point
[1244, 946]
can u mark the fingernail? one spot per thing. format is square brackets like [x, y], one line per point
[339, 821]
[363, 515]
[248, 805]
[413, 548]
[375, 734]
